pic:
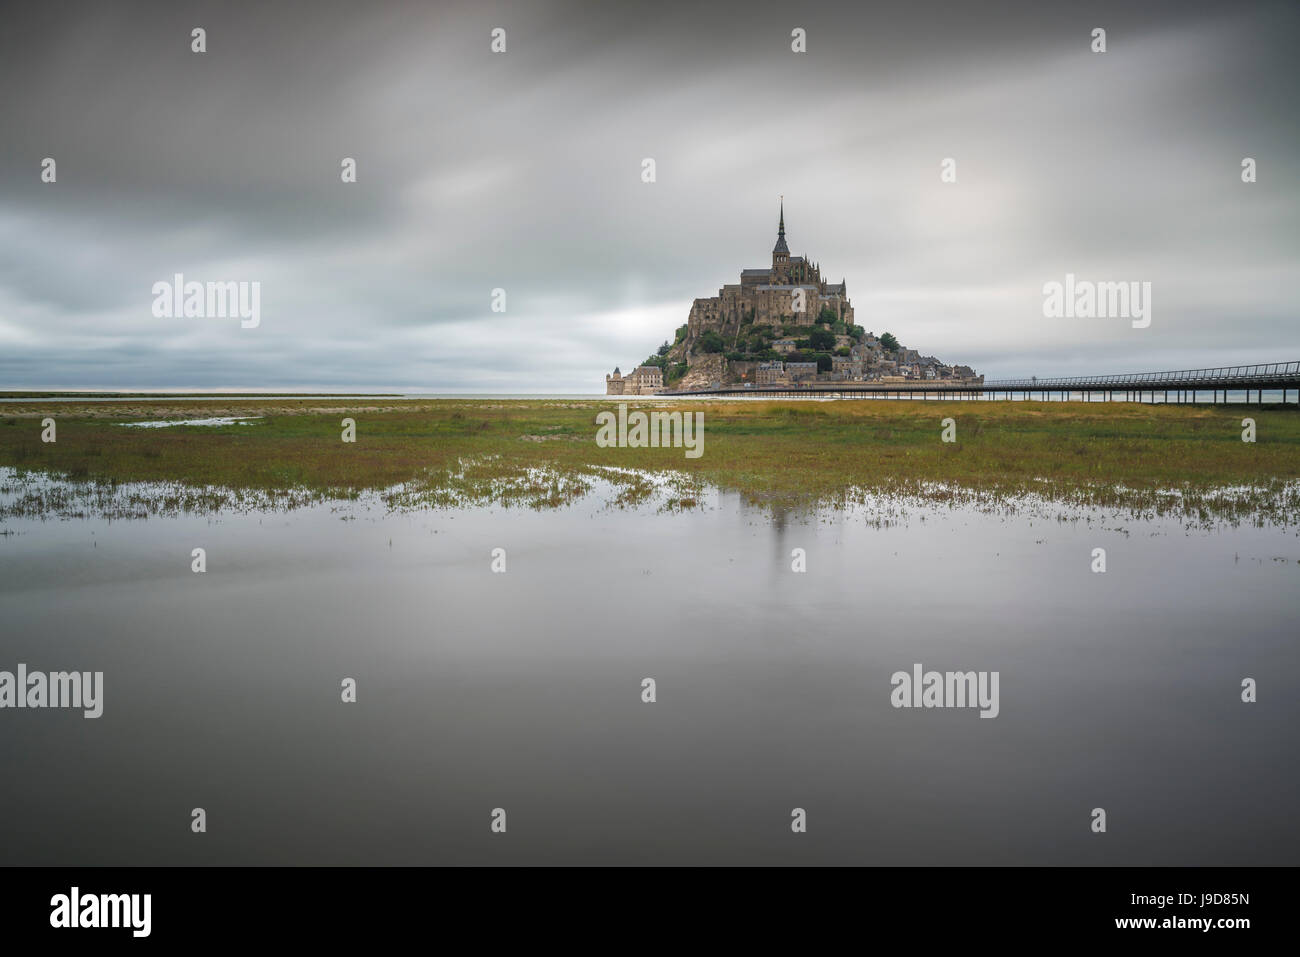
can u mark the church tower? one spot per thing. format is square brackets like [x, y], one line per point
[780, 252]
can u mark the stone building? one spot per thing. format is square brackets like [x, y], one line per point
[647, 380]
[644, 380]
[798, 371]
[847, 366]
[790, 291]
[769, 373]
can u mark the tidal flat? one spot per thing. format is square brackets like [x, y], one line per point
[1187, 462]
[499, 587]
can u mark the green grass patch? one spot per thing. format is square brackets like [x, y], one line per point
[543, 452]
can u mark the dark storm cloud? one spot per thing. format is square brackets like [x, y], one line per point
[521, 171]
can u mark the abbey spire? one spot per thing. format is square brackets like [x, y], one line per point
[780, 252]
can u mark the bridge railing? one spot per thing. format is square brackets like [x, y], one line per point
[1241, 377]
[1236, 374]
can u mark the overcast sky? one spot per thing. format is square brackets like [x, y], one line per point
[522, 171]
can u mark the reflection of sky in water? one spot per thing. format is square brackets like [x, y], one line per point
[479, 690]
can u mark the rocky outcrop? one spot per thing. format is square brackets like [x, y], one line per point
[704, 371]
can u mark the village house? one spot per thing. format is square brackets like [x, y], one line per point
[769, 373]
[801, 371]
[847, 366]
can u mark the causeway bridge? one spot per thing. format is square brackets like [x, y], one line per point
[1235, 384]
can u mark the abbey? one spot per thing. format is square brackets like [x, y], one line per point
[782, 326]
[790, 291]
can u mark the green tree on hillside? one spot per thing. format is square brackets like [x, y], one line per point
[709, 341]
[674, 373]
[821, 338]
[888, 342]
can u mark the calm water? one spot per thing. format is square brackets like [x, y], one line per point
[522, 690]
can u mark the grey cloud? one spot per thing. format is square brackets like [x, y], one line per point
[522, 171]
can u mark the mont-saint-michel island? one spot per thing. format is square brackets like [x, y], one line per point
[782, 326]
